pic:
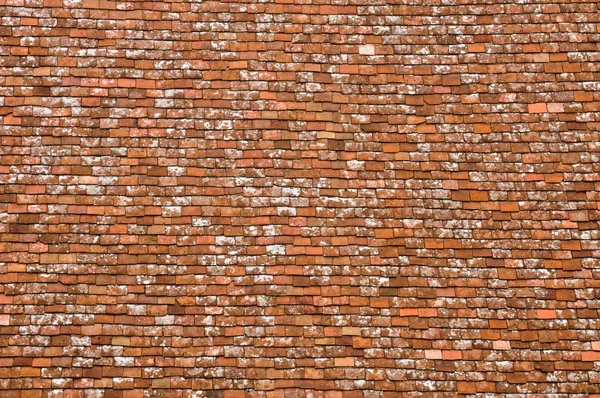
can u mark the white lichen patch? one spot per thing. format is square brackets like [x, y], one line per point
[367, 49]
[276, 250]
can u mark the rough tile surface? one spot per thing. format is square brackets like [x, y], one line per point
[285, 198]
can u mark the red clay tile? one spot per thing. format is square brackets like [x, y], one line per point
[537, 108]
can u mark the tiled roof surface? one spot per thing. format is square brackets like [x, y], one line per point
[299, 198]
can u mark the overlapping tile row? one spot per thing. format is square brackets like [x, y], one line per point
[282, 199]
